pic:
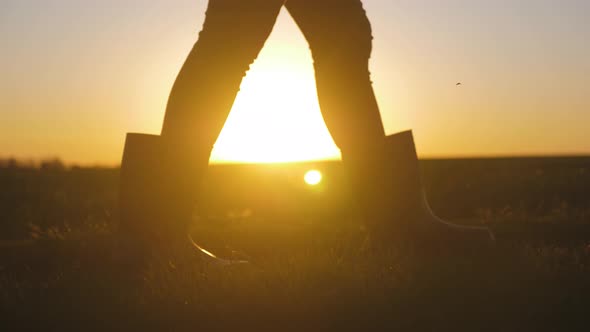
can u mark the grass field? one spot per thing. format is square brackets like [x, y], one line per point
[313, 267]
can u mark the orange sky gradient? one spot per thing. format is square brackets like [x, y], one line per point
[78, 75]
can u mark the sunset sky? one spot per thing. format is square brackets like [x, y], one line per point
[76, 75]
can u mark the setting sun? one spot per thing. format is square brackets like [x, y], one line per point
[275, 118]
[276, 115]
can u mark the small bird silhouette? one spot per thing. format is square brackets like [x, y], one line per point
[459, 83]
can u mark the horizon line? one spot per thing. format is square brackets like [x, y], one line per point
[38, 161]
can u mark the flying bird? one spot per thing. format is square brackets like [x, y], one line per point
[459, 83]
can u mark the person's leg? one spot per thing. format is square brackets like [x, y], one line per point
[383, 170]
[233, 34]
[340, 38]
[160, 175]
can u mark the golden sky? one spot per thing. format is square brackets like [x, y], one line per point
[78, 74]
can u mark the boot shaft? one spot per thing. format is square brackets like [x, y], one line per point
[158, 186]
[386, 180]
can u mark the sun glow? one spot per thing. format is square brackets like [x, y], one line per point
[275, 118]
[276, 115]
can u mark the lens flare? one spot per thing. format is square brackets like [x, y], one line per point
[313, 177]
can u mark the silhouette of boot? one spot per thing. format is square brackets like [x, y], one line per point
[158, 185]
[386, 180]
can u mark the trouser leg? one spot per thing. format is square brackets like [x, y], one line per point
[383, 170]
[160, 175]
[340, 38]
[233, 34]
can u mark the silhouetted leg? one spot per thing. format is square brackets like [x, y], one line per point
[339, 35]
[233, 34]
[383, 170]
[160, 175]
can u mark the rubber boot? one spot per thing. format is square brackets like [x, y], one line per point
[386, 180]
[158, 186]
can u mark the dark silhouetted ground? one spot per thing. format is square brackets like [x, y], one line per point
[313, 268]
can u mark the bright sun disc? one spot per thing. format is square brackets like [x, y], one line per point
[313, 177]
